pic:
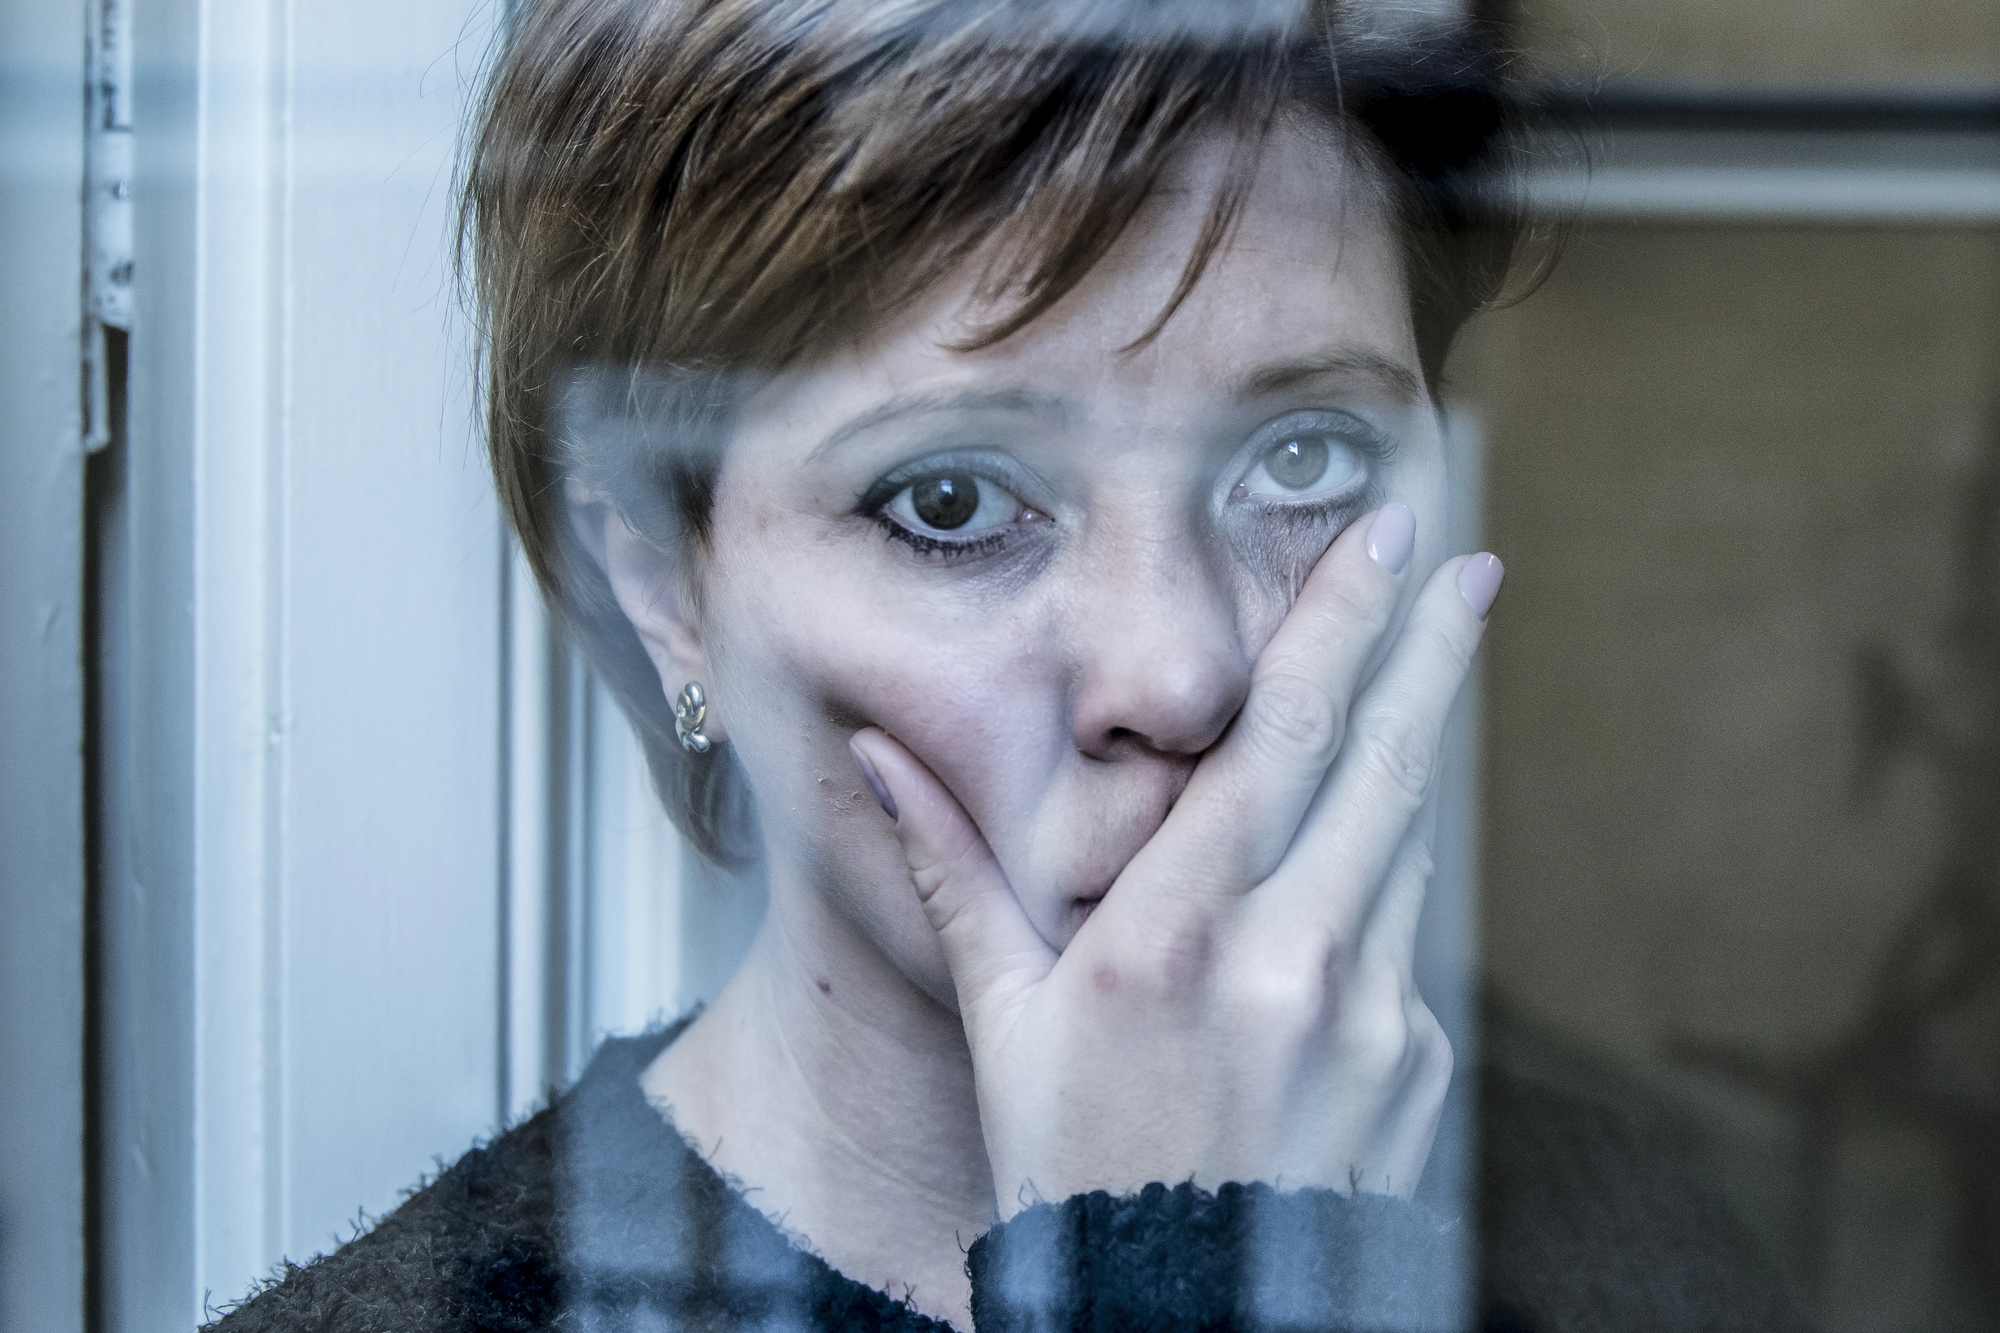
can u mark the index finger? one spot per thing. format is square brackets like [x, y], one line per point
[1333, 874]
[1242, 806]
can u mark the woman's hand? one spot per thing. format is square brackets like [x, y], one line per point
[1240, 1006]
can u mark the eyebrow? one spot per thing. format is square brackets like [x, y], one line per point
[938, 403]
[1389, 374]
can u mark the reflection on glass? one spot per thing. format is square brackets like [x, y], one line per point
[993, 476]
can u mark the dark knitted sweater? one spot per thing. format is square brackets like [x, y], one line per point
[595, 1215]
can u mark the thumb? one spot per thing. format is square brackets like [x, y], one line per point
[994, 951]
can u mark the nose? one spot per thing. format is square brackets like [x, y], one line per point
[1161, 663]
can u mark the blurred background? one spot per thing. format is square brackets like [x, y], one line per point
[1741, 783]
[321, 857]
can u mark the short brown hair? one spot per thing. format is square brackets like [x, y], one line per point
[692, 188]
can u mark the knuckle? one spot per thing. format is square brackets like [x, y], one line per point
[1455, 647]
[1340, 944]
[928, 875]
[946, 909]
[950, 916]
[1297, 714]
[1169, 960]
[1359, 607]
[1381, 1041]
[1403, 755]
[948, 855]
[1435, 1057]
[1279, 1001]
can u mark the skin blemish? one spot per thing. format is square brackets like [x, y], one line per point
[825, 985]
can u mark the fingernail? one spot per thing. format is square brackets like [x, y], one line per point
[1392, 536]
[1479, 582]
[874, 781]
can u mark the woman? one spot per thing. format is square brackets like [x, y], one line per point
[992, 452]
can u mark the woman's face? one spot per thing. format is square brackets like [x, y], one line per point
[1047, 566]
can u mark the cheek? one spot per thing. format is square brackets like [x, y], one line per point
[808, 657]
[814, 644]
[1267, 574]
[978, 701]
[827, 636]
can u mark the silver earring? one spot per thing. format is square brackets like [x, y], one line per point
[690, 711]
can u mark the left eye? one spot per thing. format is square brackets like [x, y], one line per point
[1305, 463]
[1302, 463]
[954, 502]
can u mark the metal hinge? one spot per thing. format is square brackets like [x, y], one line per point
[107, 202]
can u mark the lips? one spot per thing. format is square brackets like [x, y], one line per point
[1084, 901]
[1085, 832]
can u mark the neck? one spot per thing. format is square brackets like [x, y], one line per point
[841, 1096]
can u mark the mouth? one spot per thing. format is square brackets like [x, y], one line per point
[1088, 882]
[1080, 909]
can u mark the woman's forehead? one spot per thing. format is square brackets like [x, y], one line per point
[1308, 280]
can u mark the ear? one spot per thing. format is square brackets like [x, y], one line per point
[650, 585]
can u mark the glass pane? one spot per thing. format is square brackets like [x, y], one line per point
[845, 660]
[1772, 42]
[1738, 858]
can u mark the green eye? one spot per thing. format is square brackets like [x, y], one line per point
[1297, 463]
[1306, 460]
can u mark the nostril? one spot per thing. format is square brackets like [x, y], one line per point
[1164, 682]
[1182, 723]
[1110, 743]
[1116, 743]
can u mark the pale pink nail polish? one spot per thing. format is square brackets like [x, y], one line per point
[1392, 536]
[873, 781]
[1479, 582]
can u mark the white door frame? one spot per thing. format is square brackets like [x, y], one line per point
[42, 1113]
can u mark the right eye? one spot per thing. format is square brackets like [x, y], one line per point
[954, 502]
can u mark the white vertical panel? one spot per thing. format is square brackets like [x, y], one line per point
[569, 966]
[184, 701]
[1448, 936]
[534, 848]
[1447, 950]
[41, 681]
[388, 797]
[237, 728]
[303, 989]
[633, 921]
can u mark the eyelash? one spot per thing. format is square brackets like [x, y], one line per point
[1313, 516]
[924, 544]
[1310, 516]
[874, 504]
[1305, 515]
